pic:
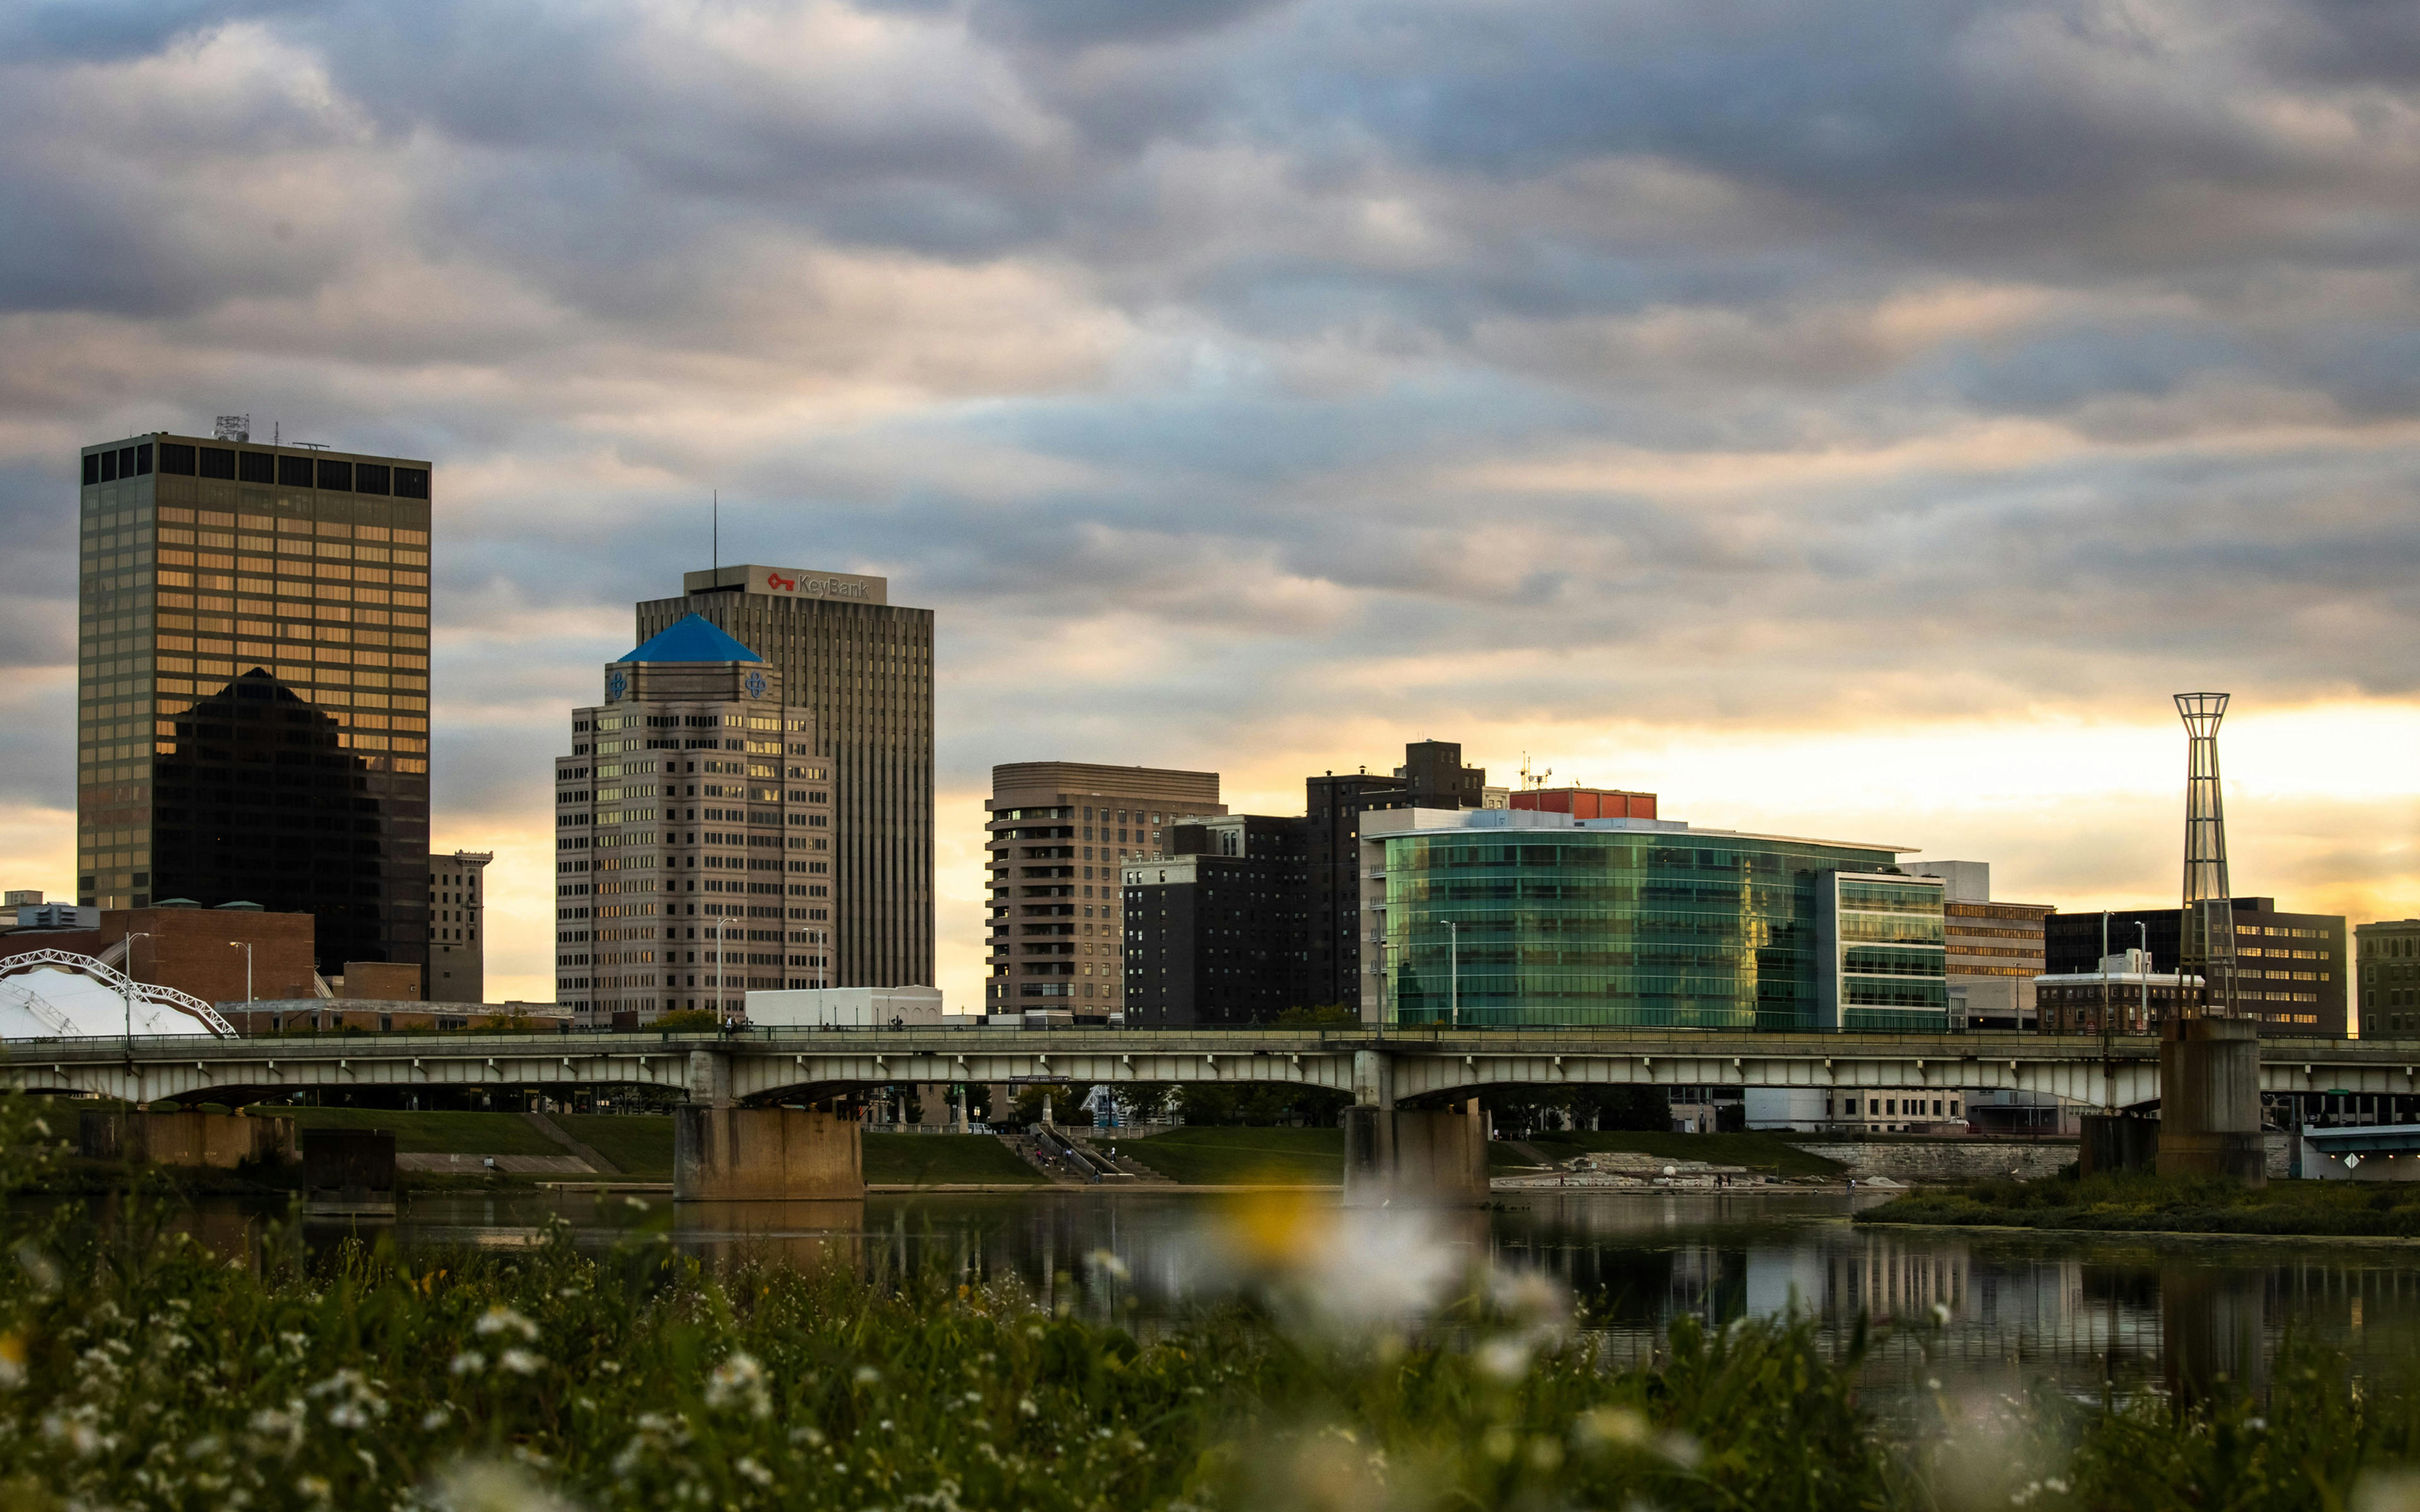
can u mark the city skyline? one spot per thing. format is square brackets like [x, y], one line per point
[1865, 431]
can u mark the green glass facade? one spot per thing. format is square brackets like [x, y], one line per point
[1645, 930]
[1893, 955]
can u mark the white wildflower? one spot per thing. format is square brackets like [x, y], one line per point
[435, 1418]
[488, 1486]
[1503, 1359]
[468, 1363]
[740, 1379]
[753, 1470]
[521, 1362]
[503, 1319]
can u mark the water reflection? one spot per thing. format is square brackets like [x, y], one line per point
[2086, 1313]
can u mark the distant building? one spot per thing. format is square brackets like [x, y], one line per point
[1215, 926]
[2389, 961]
[693, 836]
[1643, 923]
[2293, 971]
[1055, 837]
[20, 898]
[1994, 949]
[862, 667]
[375, 1015]
[457, 951]
[1583, 803]
[1431, 776]
[251, 709]
[2125, 990]
[197, 950]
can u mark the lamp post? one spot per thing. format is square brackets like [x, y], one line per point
[131, 935]
[1453, 971]
[246, 947]
[2144, 931]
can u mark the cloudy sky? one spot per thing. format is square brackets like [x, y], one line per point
[1851, 418]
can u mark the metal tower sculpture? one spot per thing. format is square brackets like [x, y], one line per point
[2207, 943]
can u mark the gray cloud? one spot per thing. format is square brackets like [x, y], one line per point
[1297, 367]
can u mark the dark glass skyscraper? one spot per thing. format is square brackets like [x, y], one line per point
[251, 715]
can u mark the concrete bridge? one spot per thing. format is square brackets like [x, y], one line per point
[1414, 1074]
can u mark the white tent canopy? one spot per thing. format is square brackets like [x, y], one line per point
[56, 994]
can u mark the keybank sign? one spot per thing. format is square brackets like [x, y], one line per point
[807, 585]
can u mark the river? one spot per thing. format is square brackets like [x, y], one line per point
[2072, 1311]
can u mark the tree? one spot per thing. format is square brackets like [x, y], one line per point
[686, 1020]
[1259, 1103]
[1322, 1015]
[1144, 1101]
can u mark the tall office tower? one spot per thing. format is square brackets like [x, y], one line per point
[1057, 833]
[458, 947]
[1431, 776]
[863, 667]
[693, 837]
[252, 718]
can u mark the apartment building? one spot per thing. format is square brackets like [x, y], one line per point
[1057, 833]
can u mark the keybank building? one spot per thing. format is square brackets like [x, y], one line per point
[1493, 917]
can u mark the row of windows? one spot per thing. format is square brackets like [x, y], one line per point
[280, 469]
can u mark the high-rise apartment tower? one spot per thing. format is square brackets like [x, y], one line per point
[1056, 836]
[862, 668]
[252, 701]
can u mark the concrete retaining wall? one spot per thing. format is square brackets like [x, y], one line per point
[1945, 1160]
[221, 1141]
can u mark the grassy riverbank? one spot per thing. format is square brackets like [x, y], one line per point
[2135, 1202]
[1202, 1155]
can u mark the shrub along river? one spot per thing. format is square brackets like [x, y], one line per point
[2020, 1308]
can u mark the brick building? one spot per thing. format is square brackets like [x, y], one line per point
[197, 950]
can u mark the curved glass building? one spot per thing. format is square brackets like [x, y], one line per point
[1496, 918]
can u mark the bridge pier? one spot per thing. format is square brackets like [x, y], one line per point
[1409, 1157]
[2209, 1100]
[735, 1154]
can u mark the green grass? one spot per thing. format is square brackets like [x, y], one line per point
[640, 1145]
[937, 1160]
[2139, 1202]
[432, 1133]
[1206, 1156]
[1757, 1151]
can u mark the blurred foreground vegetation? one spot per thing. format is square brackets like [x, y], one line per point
[2139, 1202]
[137, 1370]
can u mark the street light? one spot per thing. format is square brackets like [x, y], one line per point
[131, 935]
[2144, 930]
[1453, 971]
[246, 947]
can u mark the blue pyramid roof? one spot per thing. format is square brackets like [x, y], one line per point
[692, 638]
